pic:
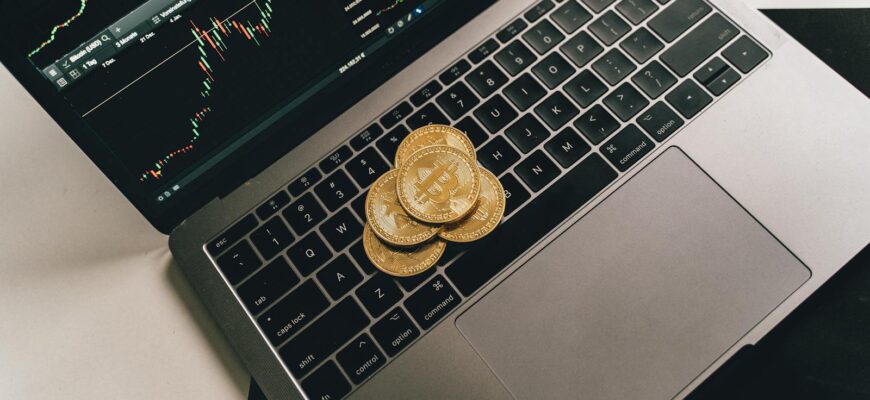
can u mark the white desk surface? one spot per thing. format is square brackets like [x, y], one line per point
[91, 306]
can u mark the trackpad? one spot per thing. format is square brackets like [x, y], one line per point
[638, 297]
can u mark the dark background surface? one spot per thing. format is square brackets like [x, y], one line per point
[822, 350]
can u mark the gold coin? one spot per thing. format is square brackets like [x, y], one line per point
[389, 220]
[401, 261]
[485, 217]
[438, 184]
[434, 135]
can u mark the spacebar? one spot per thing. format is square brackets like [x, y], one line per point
[491, 255]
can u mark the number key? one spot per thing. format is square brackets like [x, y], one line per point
[336, 190]
[486, 79]
[543, 36]
[457, 100]
[367, 167]
[515, 57]
[271, 238]
[304, 214]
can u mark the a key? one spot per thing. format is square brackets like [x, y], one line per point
[596, 124]
[609, 28]
[304, 214]
[335, 159]
[367, 136]
[454, 72]
[432, 302]
[326, 383]
[484, 50]
[495, 114]
[275, 203]
[427, 115]
[527, 133]
[358, 253]
[425, 93]
[512, 30]
[271, 238]
[396, 115]
[598, 5]
[515, 57]
[309, 253]
[231, 235]
[723, 82]
[699, 44]
[537, 170]
[571, 16]
[614, 66]
[339, 277]
[360, 358]
[304, 182]
[336, 190]
[486, 79]
[411, 282]
[471, 129]
[556, 111]
[378, 294]
[367, 167]
[654, 79]
[395, 331]
[678, 18]
[515, 193]
[457, 100]
[543, 37]
[636, 10]
[581, 49]
[745, 54]
[641, 45]
[391, 141]
[293, 312]
[239, 262]
[553, 70]
[267, 285]
[689, 99]
[659, 121]
[524, 92]
[625, 101]
[710, 71]
[341, 230]
[497, 155]
[585, 88]
[567, 147]
[627, 147]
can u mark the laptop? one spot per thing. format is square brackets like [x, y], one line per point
[679, 174]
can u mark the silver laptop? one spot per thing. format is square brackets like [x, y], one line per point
[680, 175]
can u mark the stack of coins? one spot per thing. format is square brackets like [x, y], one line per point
[436, 193]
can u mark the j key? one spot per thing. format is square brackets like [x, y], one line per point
[486, 79]
[698, 45]
[515, 57]
[689, 99]
[489, 256]
[309, 253]
[571, 16]
[322, 338]
[567, 147]
[396, 115]
[597, 124]
[277, 202]
[659, 121]
[474, 132]
[556, 110]
[457, 100]
[598, 5]
[390, 143]
[239, 262]
[378, 294]
[581, 49]
[293, 312]
[627, 147]
[641, 45]
[512, 30]
[524, 92]
[362, 260]
[432, 302]
[723, 82]
[335, 159]
[585, 88]
[514, 192]
[455, 72]
[484, 50]
[609, 28]
[497, 155]
[231, 235]
[326, 383]
[636, 10]
[553, 70]
[527, 133]
[336, 190]
[539, 10]
[678, 18]
[426, 93]
[341, 230]
[614, 66]
[745, 54]
[710, 70]
[304, 214]
[360, 359]
[364, 138]
[429, 114]
[543, 36]
[625, 101]
[339, 277]
[395, 331]
[359, 205]
[495, 114]
[271, 238]
[654, 79]
[268, 285]
[304, 182]
[367, 167]
[410, 283]
[537, 170]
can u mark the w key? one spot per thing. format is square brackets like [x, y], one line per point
[341, 230]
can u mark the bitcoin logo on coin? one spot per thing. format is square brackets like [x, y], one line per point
[388, 219]
[434, 135]
[485, 217]
[401, 261]
[438, 184]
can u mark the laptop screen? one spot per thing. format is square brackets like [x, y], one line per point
[172, 88]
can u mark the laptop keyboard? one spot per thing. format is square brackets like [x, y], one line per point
[559, 103]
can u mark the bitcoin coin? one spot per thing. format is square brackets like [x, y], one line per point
[438, 184]
[434, 135]
[401, 261]
[389, 220]
[485, 217]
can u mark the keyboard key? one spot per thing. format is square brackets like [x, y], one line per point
[710, 71]
[390, 143]
[609, 28]
[231, 235]
[271, 238]
[537, 170]
[512, 30]
[474, 132]
[698, 45]
[678, 18]
[267, 285]
[335, 159]
[489, 256]
[627, 147]
[495, 114]
[322, 338]
[425, 93]
[524, 92]
[539, 10]
[527, 133]
[359, 205]
[341, 230]
[497, 155]
[660, 122]
[614, 66]
[395, 331]
[336, 190]
[514, 192]
[486, 79]
[723, 82]
[293, 312]
[367, 136]
[581, 49]
[309, 253]
[636, 10]
[411, 282]
[745, 54]
[339, 277]
[427, 115]
[597, 124]
[432, 302]
[641, 45]
[625, 101]
[396, 115]
[239, 262]
[571, 16]
[304, 182]
[515, 57]
[598, 5]
[275, 203]
[567, 147]
[455, 72]
[457, 100]
[357, 251]
[689, 99]
[654, 79]
[556, 110]
[484, 50]
[543, 36]
[378, 294]
[361, 358]
[326, 383]
[585, 88]
[304, 214]
[553, 70]
[367, 167]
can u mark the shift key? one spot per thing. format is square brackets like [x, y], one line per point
[698, 45]
[432, 302]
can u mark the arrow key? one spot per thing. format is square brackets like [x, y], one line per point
[723, 82]
[361, 358]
